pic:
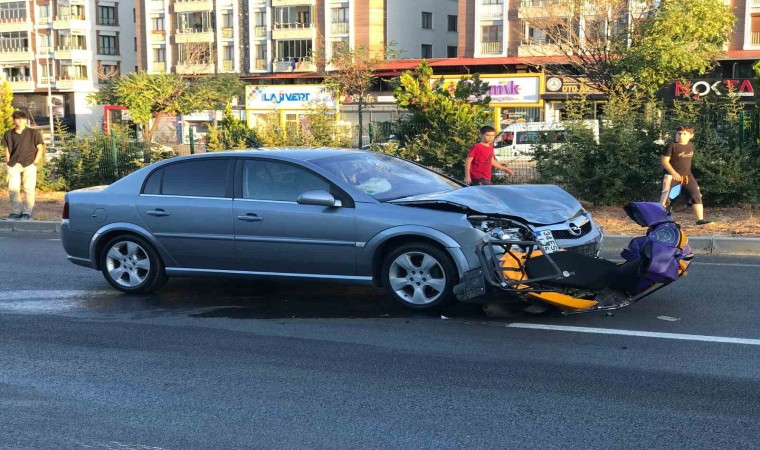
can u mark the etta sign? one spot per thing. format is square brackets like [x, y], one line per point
[297, 96]
[718, 88]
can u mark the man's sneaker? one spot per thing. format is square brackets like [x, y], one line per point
[26, 217]
[703, 222]
[14, 216]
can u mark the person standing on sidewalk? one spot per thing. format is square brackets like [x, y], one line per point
[23, 150]
[477, 165]
[676, 160]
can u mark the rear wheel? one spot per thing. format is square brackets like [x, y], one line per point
[419, 276]
[130, 264]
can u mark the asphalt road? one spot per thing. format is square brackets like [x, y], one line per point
[220, 364]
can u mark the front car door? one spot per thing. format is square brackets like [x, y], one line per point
[187, 206]
[276, 235]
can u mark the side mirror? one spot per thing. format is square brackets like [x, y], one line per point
[318, 198]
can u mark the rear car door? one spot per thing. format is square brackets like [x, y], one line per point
[187, 206]
[274, 234]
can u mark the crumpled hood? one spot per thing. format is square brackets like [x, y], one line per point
[539, 204]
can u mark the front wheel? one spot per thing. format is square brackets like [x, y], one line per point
[130, 264]
[419, 276]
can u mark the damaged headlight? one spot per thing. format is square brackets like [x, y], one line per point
[502, 229]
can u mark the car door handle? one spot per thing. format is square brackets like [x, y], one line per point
[158, 213]
[251, 217]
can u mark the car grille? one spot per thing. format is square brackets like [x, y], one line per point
[585, 249]
[565, 234]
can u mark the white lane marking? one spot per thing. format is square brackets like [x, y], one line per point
[53, 239]
[49, 295]
[699, 263]
[682, 337]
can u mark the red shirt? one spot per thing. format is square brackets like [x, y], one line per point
[482, 159]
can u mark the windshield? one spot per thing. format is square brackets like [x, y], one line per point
[385, 177]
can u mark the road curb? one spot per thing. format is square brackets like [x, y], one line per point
[699, 244]
[612, 242]
[30, 226]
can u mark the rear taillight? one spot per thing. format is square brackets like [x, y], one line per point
[65, 213]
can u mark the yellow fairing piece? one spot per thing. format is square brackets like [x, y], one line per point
[513, 270]
[563, 301]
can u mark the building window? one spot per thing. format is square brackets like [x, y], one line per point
[14, 41]
[451, 51]
[492, 33]
[299, 48]
[292, 17]
[72, 42]
[194, 21]
[229, 52]
[107, 70]
[73, 72]
[339, 22]
[157, 23]
[491, 2]
[227, 20]
[107, 45]
[14, 11]
[452, 23]
[427, 20]
[107, 15]
[159, 55]
[43, 14]
[261, 57]
[426, 51]
[260, 24]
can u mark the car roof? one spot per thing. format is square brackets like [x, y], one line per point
[300, 153]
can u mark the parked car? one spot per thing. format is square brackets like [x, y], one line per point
[316, 214]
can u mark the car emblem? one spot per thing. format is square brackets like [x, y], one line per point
[575, 230]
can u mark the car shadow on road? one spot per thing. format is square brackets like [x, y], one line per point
[244, 299]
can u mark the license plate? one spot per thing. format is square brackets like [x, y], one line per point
[547, 241]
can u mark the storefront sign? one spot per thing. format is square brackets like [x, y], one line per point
[568, 85]
[717, 88]
[508, 91]
[297, 96]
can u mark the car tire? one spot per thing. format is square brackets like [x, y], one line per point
[419, 276]
[130, 264]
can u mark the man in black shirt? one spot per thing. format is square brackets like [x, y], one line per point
[23, 151]
[676, 160]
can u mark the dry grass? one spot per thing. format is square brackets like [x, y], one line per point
[734, 221]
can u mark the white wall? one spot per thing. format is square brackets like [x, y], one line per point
[405, 26]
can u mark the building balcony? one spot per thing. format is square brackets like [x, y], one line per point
[228, 65]
[196, 68]
[492, 11]
[193, 5]
[157, 5]
[491, 48]
[69, 23]
[259, 64]
[73, 84]
[228, 33]
[74, 54]
[286, 65]
[14, 24]
[260, 31]
[538, 48]
[194, 35]
[755, 3]
[339, 28]
[293, 3]
[296, 30]
[15, 55]
[755, 38]
[158, 36]
[158, 67]
[21, 83]
[542, 8]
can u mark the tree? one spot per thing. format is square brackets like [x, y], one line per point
[611, 42]
[151, 97]
[447, 120]
[6, 106]
[353, 74]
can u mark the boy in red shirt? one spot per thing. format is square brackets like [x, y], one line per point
[477, 165]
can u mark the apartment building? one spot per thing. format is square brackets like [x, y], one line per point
[59, 51]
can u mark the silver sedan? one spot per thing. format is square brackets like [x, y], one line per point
[308, 215]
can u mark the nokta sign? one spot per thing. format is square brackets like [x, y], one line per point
[719, 88]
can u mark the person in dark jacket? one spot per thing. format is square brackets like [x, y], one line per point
[23, 151]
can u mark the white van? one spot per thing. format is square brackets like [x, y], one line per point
[516, 141]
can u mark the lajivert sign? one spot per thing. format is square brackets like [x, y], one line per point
[516, 90]
[296, 96]
[715, 88]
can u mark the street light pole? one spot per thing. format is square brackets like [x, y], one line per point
[50, 69]
[50, 100]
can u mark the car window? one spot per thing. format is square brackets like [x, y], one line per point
[275, 181]
[199, 178]
[385, 177]
[153, 183]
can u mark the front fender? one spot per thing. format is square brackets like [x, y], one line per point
[452, 246]
[112, 228]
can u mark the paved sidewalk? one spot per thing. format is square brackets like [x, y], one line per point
[700, 244]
